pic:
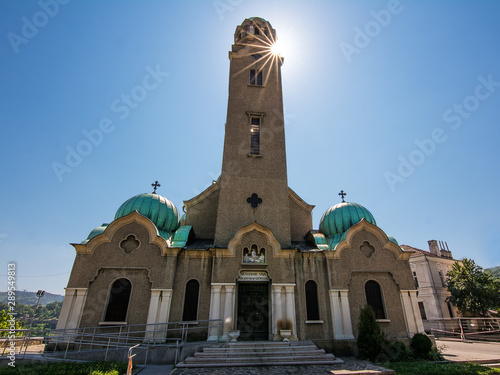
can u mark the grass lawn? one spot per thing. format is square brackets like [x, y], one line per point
[431, 368]
[89, 368]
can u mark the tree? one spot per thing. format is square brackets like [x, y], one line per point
[370, 339]
[472, 289]
[6, 322]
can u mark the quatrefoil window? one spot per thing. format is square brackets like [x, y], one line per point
[129, 244]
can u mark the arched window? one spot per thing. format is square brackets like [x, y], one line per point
[312, 300]
[191, 300]
[374, 298]
[119, 297]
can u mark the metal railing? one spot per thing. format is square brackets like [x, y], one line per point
[79, 342]
[21, 336]
[487, 329]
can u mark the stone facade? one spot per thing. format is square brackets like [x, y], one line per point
[245, 251]
[429, 269]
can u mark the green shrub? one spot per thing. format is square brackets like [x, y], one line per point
[65, 368]
[396, 351]
[371, 339]
[421, 345]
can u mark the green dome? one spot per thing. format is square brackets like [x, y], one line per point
[95, 232]
[260, 18]
[156, 208]
[339, 218]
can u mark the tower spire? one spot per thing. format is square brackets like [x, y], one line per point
[254, 157]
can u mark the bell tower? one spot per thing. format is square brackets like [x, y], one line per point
[253, 182]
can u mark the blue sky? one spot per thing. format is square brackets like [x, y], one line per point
[395, 102]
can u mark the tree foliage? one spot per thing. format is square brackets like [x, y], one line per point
[45, 317]
[371, 339]
[6, 322]
[495, 271]
[472, 289]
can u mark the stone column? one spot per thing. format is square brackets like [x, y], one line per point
[290, 309]
[228, 309]
[346, 315]
[341, 315]
[213, 334]
[277, 312]
[413, 319]
[72, 308]
[159, 311]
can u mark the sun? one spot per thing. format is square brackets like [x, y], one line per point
[276, 48]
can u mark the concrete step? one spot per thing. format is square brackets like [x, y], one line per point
[260, 354]
[216, 351]
[262, 347]
[260, 358]
[270, 363]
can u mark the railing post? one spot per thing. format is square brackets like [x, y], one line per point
[146, 356]
[66, 352]
[119, 336]
[107, 348]
[462, 334]
[220, 328]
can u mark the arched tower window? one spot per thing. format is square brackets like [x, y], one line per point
[119, 297]
[312, 304]
[255, 136]
[191, 300]
[374, 298]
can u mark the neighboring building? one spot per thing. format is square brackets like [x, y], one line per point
[245, 250]
[429, 269]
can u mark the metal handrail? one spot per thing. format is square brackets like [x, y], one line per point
[465, 327]
[100, 338]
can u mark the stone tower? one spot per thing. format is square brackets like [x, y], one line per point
[253, 182]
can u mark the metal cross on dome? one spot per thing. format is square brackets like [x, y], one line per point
[254, 200]
[342, 194]
[155, 185]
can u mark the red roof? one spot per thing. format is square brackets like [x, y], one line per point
[417, 252]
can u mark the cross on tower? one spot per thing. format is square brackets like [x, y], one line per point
[254, 200]
[342, 194]
[155, 185]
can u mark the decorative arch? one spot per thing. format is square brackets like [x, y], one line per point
[113, 227]
[364, 225]
[271, 239]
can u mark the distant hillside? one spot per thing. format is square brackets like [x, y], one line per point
[495, 271]
[29, 298]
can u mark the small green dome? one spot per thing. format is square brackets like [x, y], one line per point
[95, 232]
[339, 218]
[260, 18]
[156, 208]
[392, 239]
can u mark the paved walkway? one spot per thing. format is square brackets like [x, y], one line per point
[477, 351]
[456, 351]
[351, 366]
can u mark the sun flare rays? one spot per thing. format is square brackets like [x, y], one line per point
[264, 48]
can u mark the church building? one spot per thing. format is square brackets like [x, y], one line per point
[245, 250]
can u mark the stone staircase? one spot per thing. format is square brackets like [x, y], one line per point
[261, 353]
